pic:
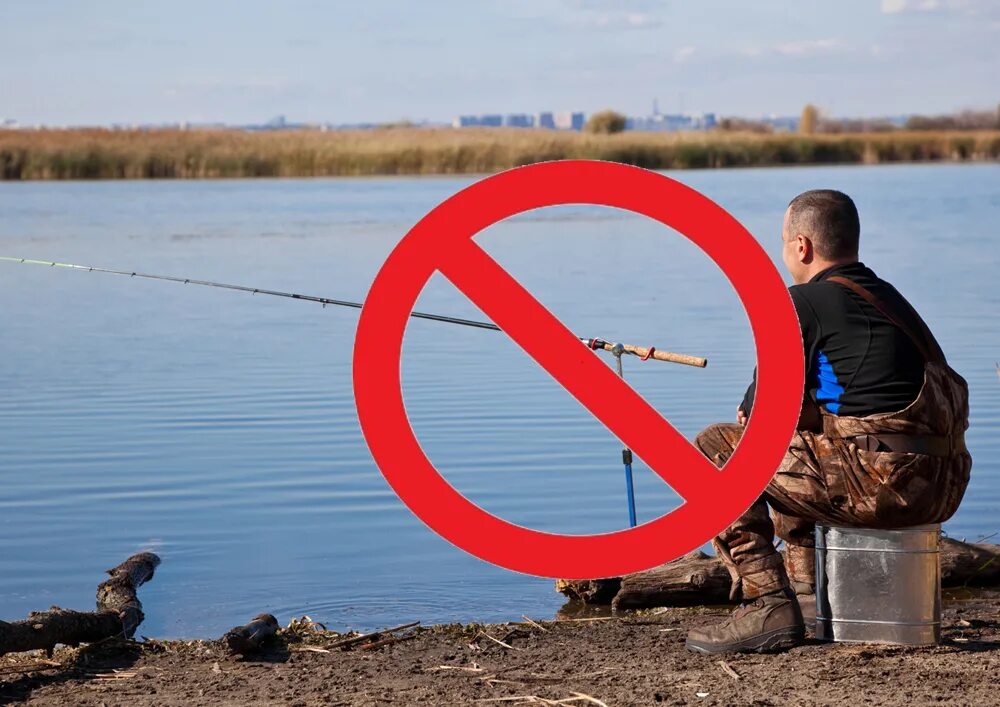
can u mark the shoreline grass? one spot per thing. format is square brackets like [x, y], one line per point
[208, 154]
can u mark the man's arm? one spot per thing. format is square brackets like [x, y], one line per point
[809, 417]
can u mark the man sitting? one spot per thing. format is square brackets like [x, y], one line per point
[880, 439]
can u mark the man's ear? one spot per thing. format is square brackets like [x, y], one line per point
[804, 249]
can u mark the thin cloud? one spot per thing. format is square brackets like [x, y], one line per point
[615, 20]
[683, 54]
[587, 14]
[642, 19]
[892, 7]
[611, 5]
[810, 47]
[801, 48]
[896, 7]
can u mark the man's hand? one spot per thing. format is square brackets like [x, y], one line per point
[741, 416]
[810, 418]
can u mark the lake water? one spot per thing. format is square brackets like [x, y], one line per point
[218, 429]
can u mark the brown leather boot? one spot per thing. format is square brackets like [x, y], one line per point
[806, 595]
[769, 623]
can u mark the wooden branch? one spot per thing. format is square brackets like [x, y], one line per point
[251, 637]
[698, 579]
[347, 642]
[118, 613]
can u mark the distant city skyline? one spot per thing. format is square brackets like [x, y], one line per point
[337, 62]
[655, 121]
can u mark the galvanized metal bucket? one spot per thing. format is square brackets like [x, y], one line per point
[878, 586]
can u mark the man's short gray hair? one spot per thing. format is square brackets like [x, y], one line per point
[829, 219]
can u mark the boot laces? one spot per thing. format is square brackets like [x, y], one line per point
[745, 607]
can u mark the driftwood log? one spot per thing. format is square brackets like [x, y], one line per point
[698, 579]
[693, 579]
[118, 613]
[251, 637]
[969, 565]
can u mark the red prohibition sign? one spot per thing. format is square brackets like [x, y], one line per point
[442, 242]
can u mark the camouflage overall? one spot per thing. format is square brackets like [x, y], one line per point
[844, 475]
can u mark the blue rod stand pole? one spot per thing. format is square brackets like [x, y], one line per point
[627, 460]
[617, 350]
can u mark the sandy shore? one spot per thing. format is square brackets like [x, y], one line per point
[629, 660]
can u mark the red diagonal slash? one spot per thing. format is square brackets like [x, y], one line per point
[610, 399]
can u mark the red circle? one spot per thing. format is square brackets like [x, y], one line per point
[442, 241]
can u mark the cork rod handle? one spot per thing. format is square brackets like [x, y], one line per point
[644, 352]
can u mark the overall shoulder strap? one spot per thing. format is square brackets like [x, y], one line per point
[925, 343]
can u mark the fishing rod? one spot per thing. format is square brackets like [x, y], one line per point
[617, 349]
[644, 353]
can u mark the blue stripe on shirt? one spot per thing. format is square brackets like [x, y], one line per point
[828, 391]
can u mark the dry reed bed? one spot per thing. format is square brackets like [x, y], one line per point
[120, 154]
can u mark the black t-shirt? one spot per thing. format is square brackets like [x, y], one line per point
[857, 361]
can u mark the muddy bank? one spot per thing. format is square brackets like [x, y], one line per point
[636, 659]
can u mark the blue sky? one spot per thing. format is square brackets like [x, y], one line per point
[113, 61]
